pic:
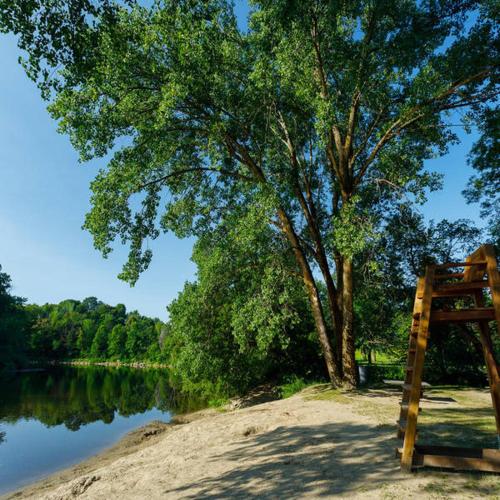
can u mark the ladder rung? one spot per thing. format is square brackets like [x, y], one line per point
[473, 314]
[458, 289]
[461, 264]
[448, 276]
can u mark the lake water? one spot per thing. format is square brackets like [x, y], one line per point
[55, 418]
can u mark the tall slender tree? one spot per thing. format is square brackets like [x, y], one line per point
[321, 114]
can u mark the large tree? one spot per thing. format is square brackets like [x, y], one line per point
[322, 114]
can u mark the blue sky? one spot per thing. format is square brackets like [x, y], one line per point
[44, 195]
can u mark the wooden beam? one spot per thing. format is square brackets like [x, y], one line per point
[459, 289]
[461, 264]
[464, 315]
[458, 451]
[410, 432]
[449, 457]
[448, 276]
[457, 463]
[490, 362]
[493, 280]
[472, 273]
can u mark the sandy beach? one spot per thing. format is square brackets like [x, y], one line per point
[319, 443]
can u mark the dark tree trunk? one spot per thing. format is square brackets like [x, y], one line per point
[340, 287]
[350, 374]
[314, 299]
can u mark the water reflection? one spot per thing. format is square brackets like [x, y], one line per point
[75, 396]
[54, 418]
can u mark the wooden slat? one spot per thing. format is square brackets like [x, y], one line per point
[458, 451]
[457, 463]
[459, 289]
[448, 276]
[474, 314]
[448, 457]
[461, 264]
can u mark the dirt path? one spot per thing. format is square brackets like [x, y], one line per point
[319, 443]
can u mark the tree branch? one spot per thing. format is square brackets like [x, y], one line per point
[162, 179]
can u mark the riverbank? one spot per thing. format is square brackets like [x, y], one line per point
[317, 443]
[86, 362]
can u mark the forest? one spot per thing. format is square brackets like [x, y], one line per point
[295, 153]
[72, 329]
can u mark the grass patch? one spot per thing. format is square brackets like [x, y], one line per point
[325, 392]
[476, 484]
[468, 418]
[294, 384]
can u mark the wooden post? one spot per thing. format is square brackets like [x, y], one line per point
[493, 280]
[421, 346]
[489, 357]
[492, 368]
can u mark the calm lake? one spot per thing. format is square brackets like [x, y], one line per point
[57, 417]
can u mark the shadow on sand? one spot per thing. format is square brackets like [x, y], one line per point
[320, 461]
[291, 462]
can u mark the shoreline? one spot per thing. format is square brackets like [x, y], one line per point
[112, 364]
[319, 443]
[131, 442]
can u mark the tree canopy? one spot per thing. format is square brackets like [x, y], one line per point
[317, 121]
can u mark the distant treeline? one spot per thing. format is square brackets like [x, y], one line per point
[74, 329]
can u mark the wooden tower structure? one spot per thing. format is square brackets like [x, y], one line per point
[445, 282]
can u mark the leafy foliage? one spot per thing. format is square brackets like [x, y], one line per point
[319, 117]
[245, 319]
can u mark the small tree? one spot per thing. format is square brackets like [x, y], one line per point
[100, 342]
[116, 342]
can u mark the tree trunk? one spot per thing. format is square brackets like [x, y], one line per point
[350, 374]
[340, 287]
[335, 311]
[314, 299]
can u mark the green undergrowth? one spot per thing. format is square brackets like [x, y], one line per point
[293, 384]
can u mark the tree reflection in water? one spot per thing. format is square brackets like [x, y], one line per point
[75, 396]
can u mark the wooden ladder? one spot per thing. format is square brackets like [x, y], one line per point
[434, 284]
[412, 388]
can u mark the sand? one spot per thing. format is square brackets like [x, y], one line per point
[318, 443]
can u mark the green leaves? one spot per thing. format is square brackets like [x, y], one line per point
[353, 229]
[282, 147]
[183, 102]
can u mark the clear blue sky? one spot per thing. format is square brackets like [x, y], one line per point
[44, 195]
